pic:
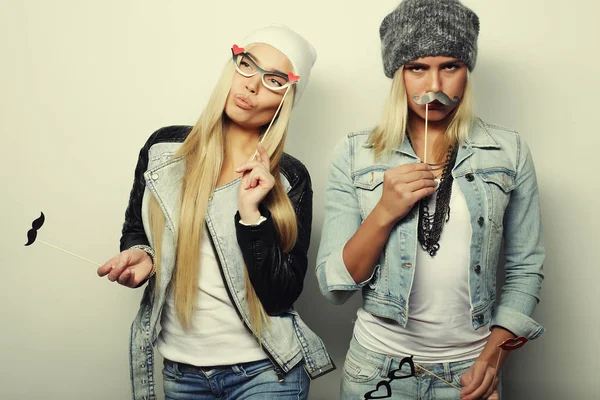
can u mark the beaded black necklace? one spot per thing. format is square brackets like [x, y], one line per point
[430, 226]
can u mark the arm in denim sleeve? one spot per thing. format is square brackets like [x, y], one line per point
[524, 252]
[278, 277]
[341, 221]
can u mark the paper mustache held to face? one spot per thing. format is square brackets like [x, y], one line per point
[427, 99]
[430, 97]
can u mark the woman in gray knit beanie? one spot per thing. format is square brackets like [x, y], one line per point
[416, 211]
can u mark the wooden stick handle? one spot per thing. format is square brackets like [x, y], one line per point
[271, 123]
[440, 378]
[426, 119]
[68, 252]
[497, 365]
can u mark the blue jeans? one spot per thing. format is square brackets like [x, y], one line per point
[365, 373]
[247, 381]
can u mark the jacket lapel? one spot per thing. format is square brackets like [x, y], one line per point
[165, 182]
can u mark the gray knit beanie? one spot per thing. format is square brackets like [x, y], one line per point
[422, 28]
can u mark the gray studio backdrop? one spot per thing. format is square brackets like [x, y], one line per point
[83, 84]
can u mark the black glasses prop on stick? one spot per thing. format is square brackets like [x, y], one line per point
[396, 374]
[386, 389]
[386, 393]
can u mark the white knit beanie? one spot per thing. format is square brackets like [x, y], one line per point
[298, 50]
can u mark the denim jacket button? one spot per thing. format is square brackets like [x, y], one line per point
[154, 176]
[480, 221]
[469, 177]
[477, 269]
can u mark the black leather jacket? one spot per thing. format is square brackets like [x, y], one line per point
[277, 277]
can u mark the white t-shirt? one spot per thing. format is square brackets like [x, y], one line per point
[217, 335]
[439, 327]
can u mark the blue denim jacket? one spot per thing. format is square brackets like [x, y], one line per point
[495, 171]
[287, 342]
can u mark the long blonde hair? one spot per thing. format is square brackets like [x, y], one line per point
[389, 134]
[203, 151]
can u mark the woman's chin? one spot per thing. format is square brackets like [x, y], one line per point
[242, 121]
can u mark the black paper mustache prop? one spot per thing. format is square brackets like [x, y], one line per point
[35, 226]
[33, 233]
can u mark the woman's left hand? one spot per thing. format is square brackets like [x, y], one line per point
[479, 382]
[256, 183]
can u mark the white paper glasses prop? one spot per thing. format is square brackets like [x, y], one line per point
[273, 80]
[245, 65]
[427, 99]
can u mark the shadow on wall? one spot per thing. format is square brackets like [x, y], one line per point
[499, 100]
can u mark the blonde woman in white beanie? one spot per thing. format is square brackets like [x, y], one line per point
[218, 226]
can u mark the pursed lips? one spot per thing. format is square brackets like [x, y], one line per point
[243, 101]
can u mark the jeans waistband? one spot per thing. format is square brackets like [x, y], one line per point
[179, 367]
[388, 363]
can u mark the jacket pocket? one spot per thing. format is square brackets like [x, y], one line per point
[498, 186]
[369, 188]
